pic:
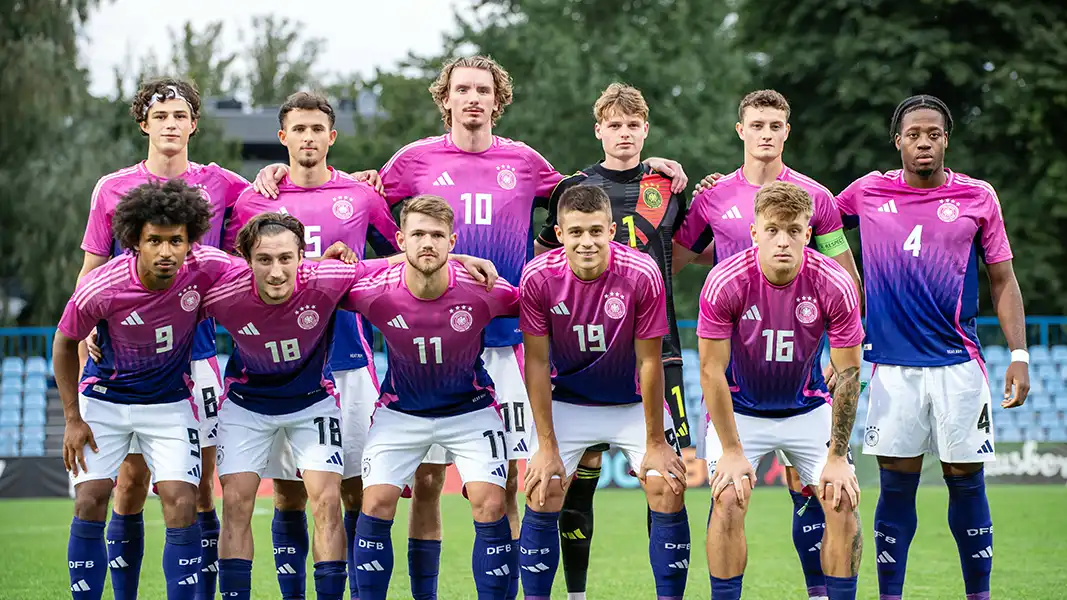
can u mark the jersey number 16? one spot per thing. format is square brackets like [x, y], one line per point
[779, 344]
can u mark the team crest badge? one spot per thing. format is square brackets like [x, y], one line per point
[614, 305]
[652, 198]
[870, 437]
[190, 298]
[366, 467]
[505, 177]
[206, 195]
[461, 319]
[342, 208]
[307, 317]
[220, 454]
[806, 311]
[948, 210]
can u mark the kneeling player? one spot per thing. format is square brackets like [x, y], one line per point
[598, 308]
[771, 305]
[436, 391]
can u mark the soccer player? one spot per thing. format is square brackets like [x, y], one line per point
[167, 111]
[924, 228]
[144, 305]
[763, 315]
[333, 207]
[724, 214]
[598, 308]
[493, 184]
[646, 214]
[436, 391]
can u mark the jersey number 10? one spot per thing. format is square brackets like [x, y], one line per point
[479, 206]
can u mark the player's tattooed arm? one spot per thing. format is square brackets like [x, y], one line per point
[846, 399]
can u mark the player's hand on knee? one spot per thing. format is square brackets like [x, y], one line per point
[76, 436]
[544, 466]
[372, 177]
[340, 251]
[707, 183]
[1016, 384]
[94, 350]
[733, 469]
[267, 179]
[837, 481]
[664, 460]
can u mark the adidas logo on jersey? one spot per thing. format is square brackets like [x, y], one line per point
[249, 329]
[888, 207]
[987, 448]
[133, 319]
[521, 446]
[444, 179]
[733, 213]
[81, 586]
[335, 460]
[500, 471]
[752, 314]
[986, 552]
[560, 309]
[398, 322]
[885, 558]
[371, 566]
[503, 571]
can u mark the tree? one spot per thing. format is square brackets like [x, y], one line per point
[845, 66]
[198, 54]
[280, 61]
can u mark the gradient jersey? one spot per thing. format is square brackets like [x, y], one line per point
[592, 325]
[493, 194]
[280, 362]
[145, 336]
[435, 346]
[920, 264]
[341, 210]
[219, 186]
[776, 332]
[725, 211]
[646, 216]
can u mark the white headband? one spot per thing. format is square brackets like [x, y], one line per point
[172, 93]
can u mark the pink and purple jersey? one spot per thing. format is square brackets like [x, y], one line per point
[219, 186]
[776, 332]
[435, 346]
[341, 210]
[493, 194]
[280, 363]
[592, 325]
[725, 211]
[920, 264]
[145, 336]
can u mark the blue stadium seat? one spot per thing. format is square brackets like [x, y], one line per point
[33, 417]
[997, 354]
[11, 384]
[34, 401]
[10, 418]
[1046, 371]
[1040, 402]
[1009, 434]
[1060, 400]
[1040, 354]
[36, 365]
[1003, 418]
[1059, 353]
[35, 383]
[8, 447]
[1058, 435]
[1050, 418]
[9, 433]
[32, 434]
[1037, 385]
[34, 448]
[11, 367]
[10, 401]
[1055, 387]
[1037, 434]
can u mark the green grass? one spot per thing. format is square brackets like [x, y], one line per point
[1031, 544]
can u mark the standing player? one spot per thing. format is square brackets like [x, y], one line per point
[724, 214]
[924, 228]
[167, 111]
[763, 315]
[598, 308]
[436, 391]
[144, 306]
[494, 183]
[646, 214]
[333, 208]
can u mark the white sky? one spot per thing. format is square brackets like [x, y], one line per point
[359, 34]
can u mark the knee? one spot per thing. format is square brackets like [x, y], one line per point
[290, 495]
[429, 481]
[727, 512]
[352, 493]
[554, 496]
[90, 500]
[512, 483]
[490, 508]
[379, 506]
[327, 502]
[179, 505]
[133, 483]
[236, 507]
[661, 498]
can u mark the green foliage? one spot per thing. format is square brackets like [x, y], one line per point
[280, 60]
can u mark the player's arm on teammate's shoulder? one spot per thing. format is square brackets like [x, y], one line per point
[670, 169]
[694, 240]
[482, 270]
[1008, 302]
[548, 239]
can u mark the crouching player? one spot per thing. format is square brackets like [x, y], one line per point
[762, 314]
[598, 309]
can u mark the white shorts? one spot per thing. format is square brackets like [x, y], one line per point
[944, 411]
[313, 436]
[804, 439]
[169, 438]
[398, 442]
[359, 391]
[505, 367]
[623, 426]
[207, 389]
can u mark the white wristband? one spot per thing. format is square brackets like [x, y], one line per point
[1020, 356]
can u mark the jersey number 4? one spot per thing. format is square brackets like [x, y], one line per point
[914, 243]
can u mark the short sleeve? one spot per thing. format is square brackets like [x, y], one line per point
[826, 225]
[546, 177]
[84, 310]
[240, 214]
[548, 237]
[718, 305]
[651, 303]
[396, 176]
[99, 238]
[234, 185]
[696, 233]
[843, 325]
[994, 238]
[532, 317]
[383, 237]
[504, 299]
[848, 203]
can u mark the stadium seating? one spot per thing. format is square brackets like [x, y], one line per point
[36, 365]
[11, 367]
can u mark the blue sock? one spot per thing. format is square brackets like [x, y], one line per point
[726, 589]
[289, 533]
[513, 584]
[493, 559]
[350, 534]
[330, 579]
[538, 553]
[374, 557]
[182, 559]
[424, 562]
[808, 525]
[668, 551]
[125, 551]
[235, 578]
[841, 588]
[895, 522]
[972, 526]
[209, 543]
[87, 559]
